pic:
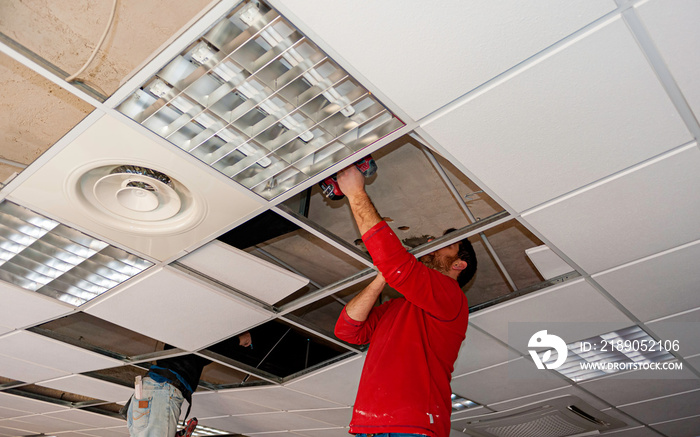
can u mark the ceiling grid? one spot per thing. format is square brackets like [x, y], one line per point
[576, 189]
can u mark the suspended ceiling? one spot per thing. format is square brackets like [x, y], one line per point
[577, 119]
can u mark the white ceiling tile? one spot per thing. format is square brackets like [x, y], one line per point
[110, 432]
[423, 57]
[552, 309]
[4, 329]
[8, 413]
[264, 422]
[505, 381]
[280, 398]
[221, 403]
[479, 350]
[667, 408]
[9, 428]
[335, 416]
[44, 424]
[173, 307]
[638, 431]
[689, 427]
[620, 220]
[23, 308]
[244, 272]
[90, 387]
[461, 416]
[330, 432]
[86, 418]
[567, 121]
[30, 406]
[629, 387]
[335, 383]
[211, 205]
[694, 361]
[25, 371]
[48, 352]
[630, 421]
[548, 263]
[659, 285]
[673, 27]
[682, 328]
[550, 394]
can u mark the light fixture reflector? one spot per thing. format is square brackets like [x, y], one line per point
[43, 255]
[259, 102]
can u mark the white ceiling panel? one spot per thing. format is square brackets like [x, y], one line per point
[673, 27]
[190, 315]
[479, 350]
[573, 311]
[280, 398]
[43, 424]
[620, 220]
[638, 431]
[548, 263]
[264, 422]
[423, 57]
[567, 121]
[666, 408]
[22, 308]
[4, 329]
[337, 383]
[52, 353]
[109, 432]
[64, 189]
[86, 418]
[680, 428]
[91, 387]
[244, 272]
[624, 388]
[505, 381]
[330, 432]
[682, 328]
[694, 361]
[29, 406]
[550, 394]
[335, 416]
[219, 404]
[25, 371]
[461, 416]
[8, 413]
[659, 285]
[8, 428]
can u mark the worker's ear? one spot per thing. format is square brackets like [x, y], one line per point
[460, 265]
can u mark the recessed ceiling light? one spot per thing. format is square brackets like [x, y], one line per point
[259, 102]
[43, 255]
[459, 403]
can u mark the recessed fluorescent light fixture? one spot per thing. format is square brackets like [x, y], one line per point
[43, 255]
[625, 349]
[459, 403]
[259, 102]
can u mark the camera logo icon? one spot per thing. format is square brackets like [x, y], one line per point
[543, 340]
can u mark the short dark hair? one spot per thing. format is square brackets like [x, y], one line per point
[465, 253]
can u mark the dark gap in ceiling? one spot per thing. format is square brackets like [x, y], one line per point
[90, 331]
[267, 225]
[51, 395]
[280, 349]
[122, 375]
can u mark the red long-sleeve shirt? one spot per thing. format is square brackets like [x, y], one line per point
[414, 342]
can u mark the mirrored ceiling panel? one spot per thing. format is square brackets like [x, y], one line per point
[43, 255]
[258, 101]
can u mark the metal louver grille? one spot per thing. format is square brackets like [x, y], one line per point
[42, 255]
[546, 426]
[259, 102]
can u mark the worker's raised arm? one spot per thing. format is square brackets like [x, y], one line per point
[359, 317]
[352, 183]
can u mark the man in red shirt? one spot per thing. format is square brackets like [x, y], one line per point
[414, 340]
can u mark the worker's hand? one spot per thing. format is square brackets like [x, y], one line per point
[351, 181]
[245, 339]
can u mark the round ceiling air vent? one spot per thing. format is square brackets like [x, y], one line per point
[138, 199]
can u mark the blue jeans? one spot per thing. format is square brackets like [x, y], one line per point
[156, 414]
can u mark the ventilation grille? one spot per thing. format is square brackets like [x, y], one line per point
[559, 417]
[42, 255]
[259, 102]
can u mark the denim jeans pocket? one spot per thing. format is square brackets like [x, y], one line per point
[140, 414]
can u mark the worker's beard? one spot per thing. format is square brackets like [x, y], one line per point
[442, 264]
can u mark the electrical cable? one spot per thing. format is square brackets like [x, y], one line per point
[72, 77]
